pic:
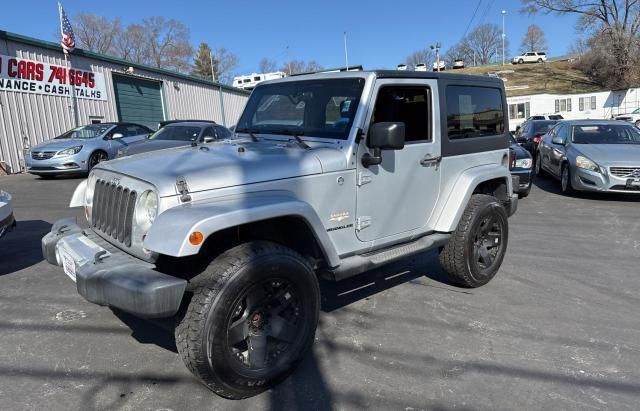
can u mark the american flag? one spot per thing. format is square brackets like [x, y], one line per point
[68, 41]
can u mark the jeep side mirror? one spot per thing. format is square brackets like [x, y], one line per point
[383, 136]
[209, 139]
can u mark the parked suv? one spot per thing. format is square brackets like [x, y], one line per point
[332, 174]
[530, 57]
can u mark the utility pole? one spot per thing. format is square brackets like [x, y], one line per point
[346, 54]
[504, 35]
[437, 47]
[213, 78]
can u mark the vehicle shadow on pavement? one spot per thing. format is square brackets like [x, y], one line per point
[551, 185]
[158, 331]
[21, 248]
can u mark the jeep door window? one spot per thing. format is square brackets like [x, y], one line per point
[177, 133]
[408, 105]
[318, 108]
[474, 111]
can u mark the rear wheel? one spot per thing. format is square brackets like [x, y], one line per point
[476, 249]
[565, 181]
[96, 158]
[252, 317]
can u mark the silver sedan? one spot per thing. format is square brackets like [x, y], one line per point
[592, 155]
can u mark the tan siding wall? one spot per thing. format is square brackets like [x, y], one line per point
[38, 117]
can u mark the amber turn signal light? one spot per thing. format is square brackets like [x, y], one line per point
[196, 238]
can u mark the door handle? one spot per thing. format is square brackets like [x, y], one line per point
[428, 160]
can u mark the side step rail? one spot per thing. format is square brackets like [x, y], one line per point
[358, 264]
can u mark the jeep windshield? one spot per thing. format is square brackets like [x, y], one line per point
[90, 131]
[315, 108]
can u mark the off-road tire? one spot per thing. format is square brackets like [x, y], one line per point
[457, 256]
[214, 294]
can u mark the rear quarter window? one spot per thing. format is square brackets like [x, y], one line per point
[474, 111]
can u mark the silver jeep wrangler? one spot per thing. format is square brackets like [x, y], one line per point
[327, 174]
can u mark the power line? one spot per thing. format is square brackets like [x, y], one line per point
[486, 12]
[472, 17]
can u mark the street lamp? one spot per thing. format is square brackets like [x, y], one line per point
[504, 12]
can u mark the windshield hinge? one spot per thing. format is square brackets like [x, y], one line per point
[363, 222]
[363, 178]
[183, 189]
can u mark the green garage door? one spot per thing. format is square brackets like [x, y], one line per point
[138, 100]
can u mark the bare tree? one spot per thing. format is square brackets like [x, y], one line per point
[131, 44]
[458, 52]
[168, 43]
[224, 62]
[267, 65]
[484, 42]
[425, 56]
[614, 26]
[96, 33]
[312, 66]
[533, 40]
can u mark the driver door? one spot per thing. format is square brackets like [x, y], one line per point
[398, 195]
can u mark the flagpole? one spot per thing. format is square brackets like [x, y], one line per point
[65, 52]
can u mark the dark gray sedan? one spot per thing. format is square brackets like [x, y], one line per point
[177, 134]
[592, 155]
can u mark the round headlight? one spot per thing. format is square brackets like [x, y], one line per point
[147, 209]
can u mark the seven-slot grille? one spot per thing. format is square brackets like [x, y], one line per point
[112, 212]
[625, 171]
[42, 155]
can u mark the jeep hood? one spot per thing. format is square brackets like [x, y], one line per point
[226, 164]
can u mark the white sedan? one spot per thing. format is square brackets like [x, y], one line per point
[7, 222]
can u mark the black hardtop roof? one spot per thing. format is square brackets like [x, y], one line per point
[410, 74]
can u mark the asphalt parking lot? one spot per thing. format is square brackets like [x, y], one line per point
[558, 328]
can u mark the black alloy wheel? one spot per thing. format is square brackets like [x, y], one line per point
[264, 328]
[96, 158]
[487, 244]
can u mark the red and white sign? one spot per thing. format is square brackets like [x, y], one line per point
[27, 76]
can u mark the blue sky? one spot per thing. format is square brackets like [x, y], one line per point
[380, 33]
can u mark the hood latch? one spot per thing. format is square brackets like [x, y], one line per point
[183, 189]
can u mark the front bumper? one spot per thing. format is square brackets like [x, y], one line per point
[7, 225]
[59, 165]
[107, 276]
[587, 180]
[525, 177]
[512, 202]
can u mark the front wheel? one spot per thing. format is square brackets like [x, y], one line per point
[252, 317]
[521, 61]
[637, 123]
[539, 61]
[565, 181]
[96, 158]
[476, 249]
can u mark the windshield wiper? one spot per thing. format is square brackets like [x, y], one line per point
[295, 134]
[249, 131]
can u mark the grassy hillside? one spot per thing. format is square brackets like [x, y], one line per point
[555, 78]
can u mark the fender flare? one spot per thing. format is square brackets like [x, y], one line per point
[170, 231]
[463, 188]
